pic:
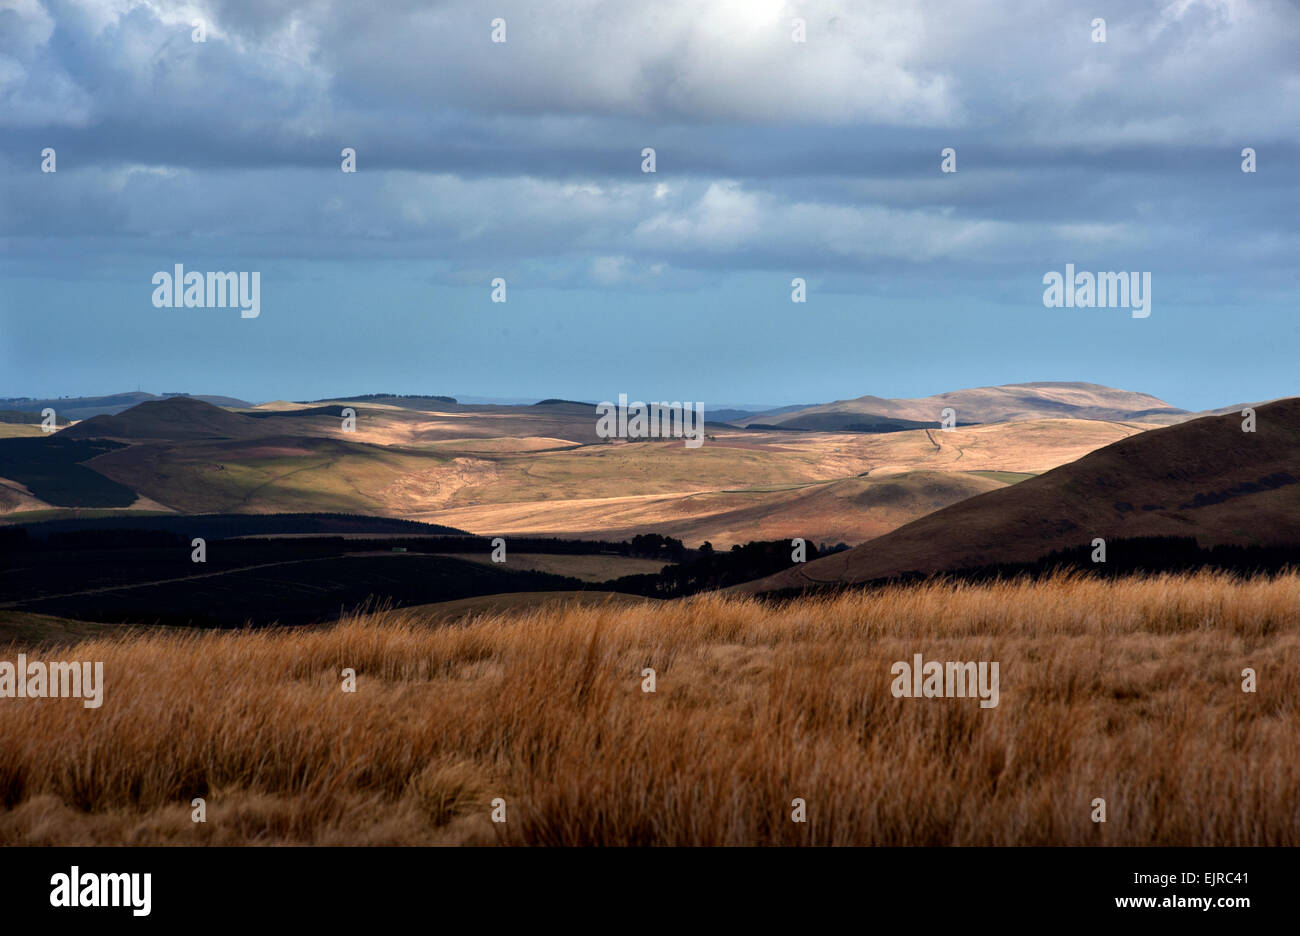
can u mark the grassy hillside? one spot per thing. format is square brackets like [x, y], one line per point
[52, 470]
[766, 486]
[20, 431]
[1129, 691]
[1205, 479]
[848, 510]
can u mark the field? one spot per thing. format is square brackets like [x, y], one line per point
[743, 486]
[18, 430]
[1128, 690]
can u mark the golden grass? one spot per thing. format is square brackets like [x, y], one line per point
[1127, 690]
[19, 430]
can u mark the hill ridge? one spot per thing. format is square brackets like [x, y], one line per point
[1204, 478]
[994, 403]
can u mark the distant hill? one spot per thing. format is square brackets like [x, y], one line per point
[840, 422]
[1038, 400]
[412, 401]
[542, 469]
[172, 419]
[86, 407]
[20, 417]
[1205, 479]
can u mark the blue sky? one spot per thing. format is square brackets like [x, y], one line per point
[522, 160]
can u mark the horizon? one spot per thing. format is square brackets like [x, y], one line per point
[471, 399]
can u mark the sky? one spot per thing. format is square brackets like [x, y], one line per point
[775, 159]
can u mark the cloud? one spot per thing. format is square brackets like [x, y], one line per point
[771, 153]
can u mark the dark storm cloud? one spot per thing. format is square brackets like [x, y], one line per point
[823, 154]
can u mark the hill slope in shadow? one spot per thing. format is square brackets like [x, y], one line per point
[1206, 479]
[174, 419]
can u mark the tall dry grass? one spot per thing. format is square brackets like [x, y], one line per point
[1127, 690]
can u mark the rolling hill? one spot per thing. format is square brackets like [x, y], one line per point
[86, 407]
[745, 485]
[1205, 479]
[1037, 400]
[844, 510]
[174, 419]
[536, 469]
